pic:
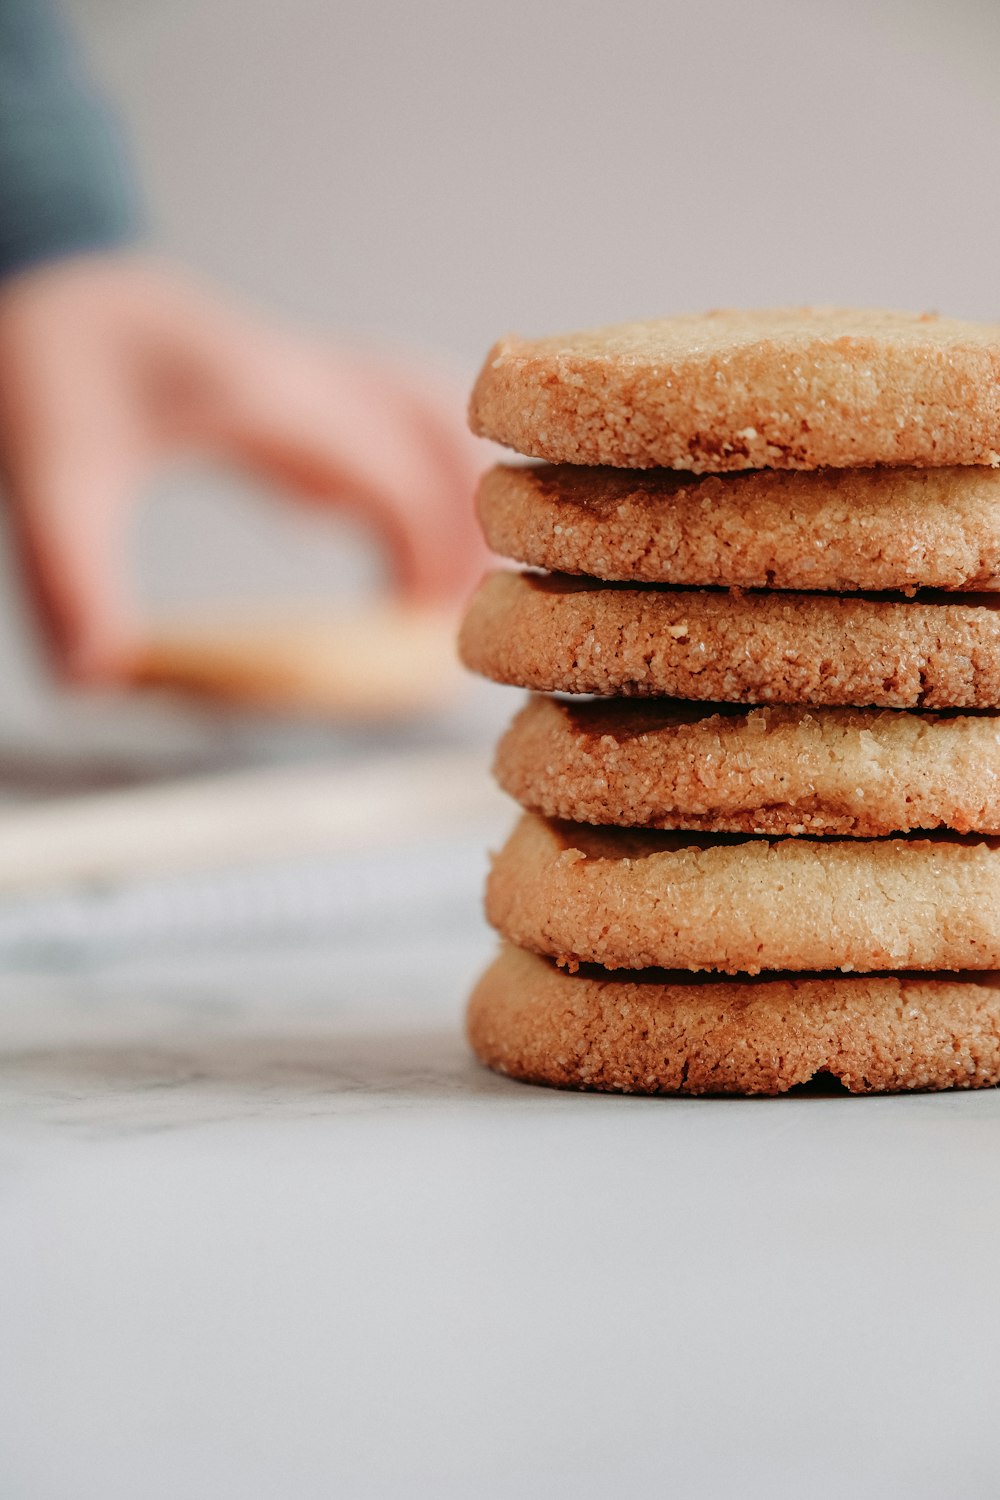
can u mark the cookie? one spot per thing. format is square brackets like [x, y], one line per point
[635, 898]
[783, 388]
[571, 635]
[370, 663]
[664, 764]
[657, 1033]
[839, 529]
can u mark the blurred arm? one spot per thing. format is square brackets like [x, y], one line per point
[111, 364]
[64, 183]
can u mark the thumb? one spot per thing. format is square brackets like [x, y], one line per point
[69, 515]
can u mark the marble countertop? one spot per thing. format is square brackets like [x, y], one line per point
[267, 1230]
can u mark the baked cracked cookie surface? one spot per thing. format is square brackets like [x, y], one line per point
[554, 633]
[639, 898]
[779, 770]
[653, 1033]
[780, 388]
[837, 529]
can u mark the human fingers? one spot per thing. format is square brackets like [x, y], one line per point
[433, 404]
[69, 513]
[355, 434]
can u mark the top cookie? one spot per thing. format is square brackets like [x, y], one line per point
[784, 388]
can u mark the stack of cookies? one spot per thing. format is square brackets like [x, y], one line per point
[766, 548]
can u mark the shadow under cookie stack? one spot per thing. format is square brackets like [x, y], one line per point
[757, 850]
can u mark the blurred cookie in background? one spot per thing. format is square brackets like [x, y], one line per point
[374, 663]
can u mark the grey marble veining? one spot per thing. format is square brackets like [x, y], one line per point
[267, 1230]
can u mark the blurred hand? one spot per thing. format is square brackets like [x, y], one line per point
[109, 364]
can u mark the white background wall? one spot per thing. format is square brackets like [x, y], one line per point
[442, 170]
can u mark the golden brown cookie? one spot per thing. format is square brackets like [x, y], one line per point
[657, 1033]
[633, 898]
[782, 388]
[569, 635]
[840, 529]
[663, 764]
[369, 662]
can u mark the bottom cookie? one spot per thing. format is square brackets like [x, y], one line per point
[661, 1033]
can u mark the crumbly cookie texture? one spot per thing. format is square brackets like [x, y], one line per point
[635, 898]
[838, 529]
[783, 388]
[663, 764]
[559, 634]
[652, 1033]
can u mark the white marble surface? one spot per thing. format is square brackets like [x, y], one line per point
[267, 1231]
